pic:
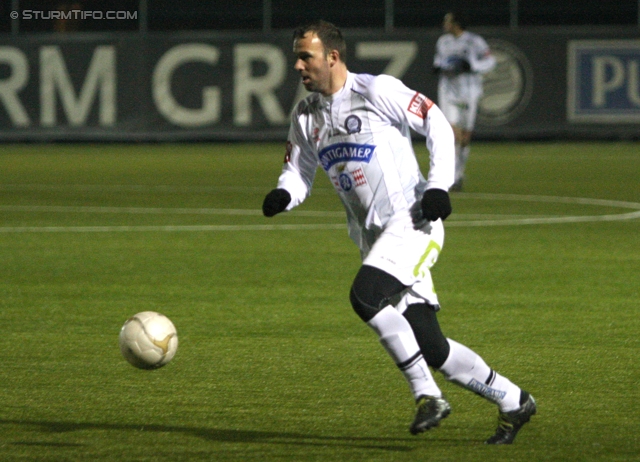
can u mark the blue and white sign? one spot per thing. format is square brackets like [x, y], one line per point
[603, 81]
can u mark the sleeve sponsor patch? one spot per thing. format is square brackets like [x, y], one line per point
[420, 105]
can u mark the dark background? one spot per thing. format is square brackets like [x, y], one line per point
[538, 34]
[174, 15]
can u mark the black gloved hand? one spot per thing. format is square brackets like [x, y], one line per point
[435, 70]
[459, 66]
[435, 204]
[275, 202]
[464, 66]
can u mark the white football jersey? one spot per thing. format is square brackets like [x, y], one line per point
[450, 50]
[360, 136]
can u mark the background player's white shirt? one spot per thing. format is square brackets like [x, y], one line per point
[450, 49]
[361, 138]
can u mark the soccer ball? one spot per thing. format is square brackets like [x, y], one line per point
[148, 340]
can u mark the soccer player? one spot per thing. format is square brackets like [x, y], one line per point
[356, 127]
[460, 60]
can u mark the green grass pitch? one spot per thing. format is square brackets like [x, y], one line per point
[540, 274]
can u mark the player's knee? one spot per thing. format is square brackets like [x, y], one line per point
[424, 323]
[457, 133]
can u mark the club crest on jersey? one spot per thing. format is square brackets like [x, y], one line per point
[345, 152]
[345, 182]
[348, 180]
[353, 124]
[420, 105]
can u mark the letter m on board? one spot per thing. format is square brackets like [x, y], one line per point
[100, 80]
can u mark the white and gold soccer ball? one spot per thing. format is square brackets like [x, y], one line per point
[148, 340]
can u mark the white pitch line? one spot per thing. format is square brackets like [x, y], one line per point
[126, 187]
[206, 211]
[109, 229]
[154, 210]
[184, 211]
[545, 221]
[553, 199]
[299, 227]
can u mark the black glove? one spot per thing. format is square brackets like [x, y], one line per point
[464, 66]
[457, 66]
[275, 202]
[435, 70]
[435, 204]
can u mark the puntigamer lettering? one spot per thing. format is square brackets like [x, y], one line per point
[345, 152]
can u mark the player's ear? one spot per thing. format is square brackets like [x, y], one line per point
[333, 57]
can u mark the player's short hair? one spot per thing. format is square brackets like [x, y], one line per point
[459, 18]
[329, 34]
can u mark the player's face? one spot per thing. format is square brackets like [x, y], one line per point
[447, 23]
[312, 64]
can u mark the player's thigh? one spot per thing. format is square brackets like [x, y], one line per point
[467, 115]
[407, 253]
[450, 110]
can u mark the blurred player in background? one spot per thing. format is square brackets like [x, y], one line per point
[460, 60]
[357, 128]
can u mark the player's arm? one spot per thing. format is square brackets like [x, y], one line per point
[438, 60]
[435, 202]
[411, 108]
[408, 107]
[482, 60]
[298, 172]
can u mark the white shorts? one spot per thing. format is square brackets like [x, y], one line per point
[462, 114]
[408, 255]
